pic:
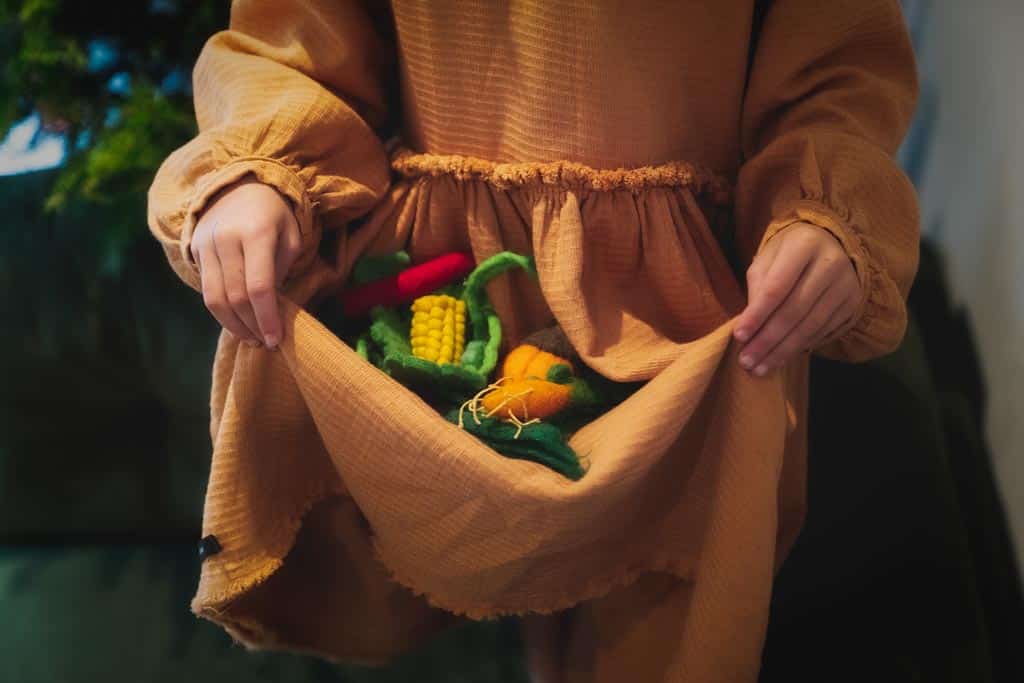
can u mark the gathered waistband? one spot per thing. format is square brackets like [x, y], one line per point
[563, 174]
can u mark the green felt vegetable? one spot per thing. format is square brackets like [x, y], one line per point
[538, 442]
[362, 347]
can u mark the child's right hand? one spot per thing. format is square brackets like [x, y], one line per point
[244, 243]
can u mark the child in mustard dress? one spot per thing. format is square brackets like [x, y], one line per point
[709, 193]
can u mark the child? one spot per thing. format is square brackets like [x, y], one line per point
[633, 149]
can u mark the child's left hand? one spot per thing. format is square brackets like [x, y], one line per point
[802, 287]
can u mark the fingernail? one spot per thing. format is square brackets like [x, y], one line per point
[746, 361]
[743, 334]
[761, 370]
[271, 341]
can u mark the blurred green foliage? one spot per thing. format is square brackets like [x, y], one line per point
[105, 354]
[114, 80]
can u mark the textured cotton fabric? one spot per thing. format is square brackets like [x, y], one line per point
[624, 145]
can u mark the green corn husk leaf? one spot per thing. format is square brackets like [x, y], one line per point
[539, 442]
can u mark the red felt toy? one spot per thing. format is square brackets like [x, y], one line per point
[408, 285]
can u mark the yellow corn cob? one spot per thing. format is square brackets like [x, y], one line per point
[438, 330]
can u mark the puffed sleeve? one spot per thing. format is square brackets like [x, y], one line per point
[832, 89]
[291, 93]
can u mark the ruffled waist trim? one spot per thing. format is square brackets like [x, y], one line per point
[564, 174]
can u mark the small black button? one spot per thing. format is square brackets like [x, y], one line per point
[208, 546]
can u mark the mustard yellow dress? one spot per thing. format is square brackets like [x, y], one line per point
[624, 145]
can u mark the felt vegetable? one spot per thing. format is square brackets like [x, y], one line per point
[553, 340]
[390, 337]
[538, 441]
[527, 361]
[407, 285]
[527, 399]
[540, 380]
[438, 330]
[534, 384]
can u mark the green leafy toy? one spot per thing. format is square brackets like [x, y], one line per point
[447, 340]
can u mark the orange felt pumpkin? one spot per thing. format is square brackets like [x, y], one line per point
[526, 361]
[526, 390]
